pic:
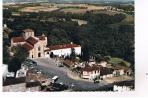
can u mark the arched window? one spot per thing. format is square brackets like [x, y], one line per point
[39, 48]
[39, 54]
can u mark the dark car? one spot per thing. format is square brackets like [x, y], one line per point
[59, 87]
[61, 66]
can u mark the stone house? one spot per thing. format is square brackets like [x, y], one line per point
[34, 45]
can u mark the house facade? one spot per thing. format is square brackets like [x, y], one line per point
[90, 72]
[63, 50]
[124, 86]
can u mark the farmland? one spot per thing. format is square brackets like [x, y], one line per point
[38, 9]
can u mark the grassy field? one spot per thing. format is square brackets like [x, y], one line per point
[129, 19]
[79, 8]
[116, 61]
[105, 12]
[73, 10]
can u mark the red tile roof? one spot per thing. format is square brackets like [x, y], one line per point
[28, 30]
[18, 39]
[105, 71]
[41, 37]
[63, 46]
[68, 63]
[32, 40]
[27, 46]
[89, 68]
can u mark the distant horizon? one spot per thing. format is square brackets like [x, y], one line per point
[69, 1]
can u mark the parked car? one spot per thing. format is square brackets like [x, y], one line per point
[60, 66]
[59, 87]
[55, 78]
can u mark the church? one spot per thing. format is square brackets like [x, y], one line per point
[35, 45]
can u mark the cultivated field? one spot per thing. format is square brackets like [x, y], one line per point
[38, 9]
[79, 8]
[74, 10]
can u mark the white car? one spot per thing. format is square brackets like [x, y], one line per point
[55, 78]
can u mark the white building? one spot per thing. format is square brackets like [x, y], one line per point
[123, 86]
[120, 70]
[63, 50]
[103, 63]
[5, 70]
[21, 73]
[90, 72]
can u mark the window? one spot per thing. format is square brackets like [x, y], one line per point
[39, 48]
[39, 54]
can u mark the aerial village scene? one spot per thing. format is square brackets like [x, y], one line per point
[68, 46]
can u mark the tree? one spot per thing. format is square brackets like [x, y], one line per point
[20, 53]
[73, 54]
[58, 36]
[7, 13]
[98, 57]
[85, 53]
[51, 55]
[5, 55]
[14, 65]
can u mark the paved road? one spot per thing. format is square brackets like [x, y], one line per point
[50, 69]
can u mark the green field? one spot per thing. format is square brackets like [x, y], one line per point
[116, 61]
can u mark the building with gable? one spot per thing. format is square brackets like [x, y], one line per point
[37, 46]
[34, 45]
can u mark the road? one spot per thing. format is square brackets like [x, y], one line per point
[50, 69]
